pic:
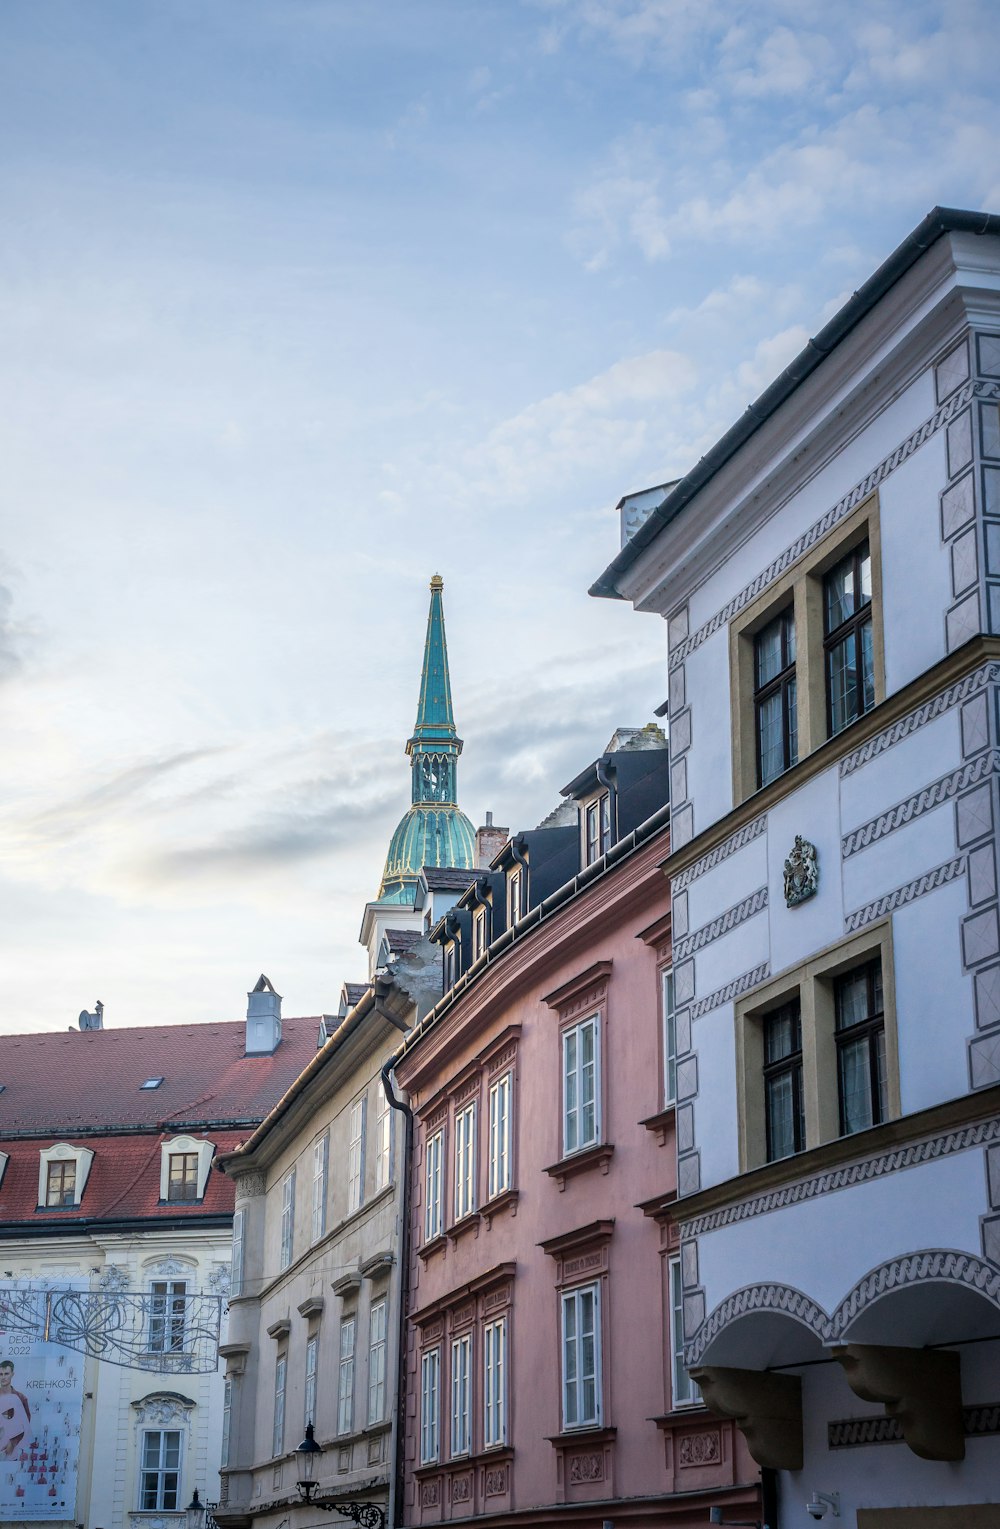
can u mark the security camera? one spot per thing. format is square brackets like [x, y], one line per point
[822, 1503]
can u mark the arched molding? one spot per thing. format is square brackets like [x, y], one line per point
[773, 1299]
[948, 1266]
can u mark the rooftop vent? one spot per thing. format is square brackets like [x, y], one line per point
[263, 1018]
[93, 1021]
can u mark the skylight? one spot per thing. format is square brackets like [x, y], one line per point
[151, 1083]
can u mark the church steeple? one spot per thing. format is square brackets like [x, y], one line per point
[435, 746]
[434, 832]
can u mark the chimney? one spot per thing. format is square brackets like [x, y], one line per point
[93, 1021]
[489, 842]
[263, 1018]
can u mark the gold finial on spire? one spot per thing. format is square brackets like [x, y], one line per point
[436, 581]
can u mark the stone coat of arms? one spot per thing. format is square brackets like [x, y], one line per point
[801, 872]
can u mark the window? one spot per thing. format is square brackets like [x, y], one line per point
[167, 1302]
[376, 1362]
[683, 1390]
[236, 1275]
[383, 1139]
[581, 1124]
[151, 1083]
[160, 1473]
[60, 1183]
[345, 1377]
[478, 933]
[312, 1356]
[430, 1402]
[597, 818]
[581, 1337]
[278, 1427]
[450, 964]
[861, 1071]
[774, 698]
[287, 1219]
[356, 1157]
[227, 1421]
[495, 1383]
[433, 1187]
[499, 1158]
[182, 1179]
[321, 1160]
[784, 1111]
[669, 1038]
[807, 656]
[461, 1413]
[514, 897]
[465, 1161]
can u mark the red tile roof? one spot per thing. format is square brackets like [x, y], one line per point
[90, 1080]
[123, 1183]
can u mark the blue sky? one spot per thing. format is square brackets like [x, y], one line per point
[303, 301]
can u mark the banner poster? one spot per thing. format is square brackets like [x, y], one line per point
[41, 1406]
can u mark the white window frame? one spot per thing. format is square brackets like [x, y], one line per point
[227, 1420]
[683, 1391]
[572, 1339]
[669, 1037]
[495, 1383]
[574, 1085]
[321, 1160]
[62, 1152]
[345, 1374]
[184, 1146]
[239, 1241]
[168, 1300]
[278, 1419]
[499, 1171]
[430, 1406]
[356, 1156]
[383, 1139]
[287, 1219]
[461, 1396]
[161, 1471]
[312, 1367]
[479, 941]
[514, 883]
[465, 1160]
[377, 1333]
[434, 1186]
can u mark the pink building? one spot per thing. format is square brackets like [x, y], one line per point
[541, 1381]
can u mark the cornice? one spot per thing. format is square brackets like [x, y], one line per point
[965, 659]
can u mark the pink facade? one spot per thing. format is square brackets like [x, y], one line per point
[539, 1375]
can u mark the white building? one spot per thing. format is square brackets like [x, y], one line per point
[830, 575]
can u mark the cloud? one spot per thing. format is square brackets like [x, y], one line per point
[10, 637]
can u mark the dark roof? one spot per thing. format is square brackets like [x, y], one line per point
[355, 991]
[399, 940]
[123, 1183]
[442, 878]
[940, 221]
[91, 1080]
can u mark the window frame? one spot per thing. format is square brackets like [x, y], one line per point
[434, 1161]
[787, 1065]
[430, 1405]
[668, 1031]
[347, 1353]
[378, 1337]
[571, 1297]
[850, 628]
[784, 684]
[186, 1180]
[356, 1154]
[321, 1169]
[515, 895]
[287, 1242]
[464, 1128]
[480, 942]
[239, 1252]
[278, 1414]
[801, 586]
[500, 1175]
[160, 1471]
[227, 1420]
[64, 1193]
[867, 1030]
[683, 1390]
[383, 1139]
[575, 1029]
[461, 1395]
[495, 1391]
[167, 1316]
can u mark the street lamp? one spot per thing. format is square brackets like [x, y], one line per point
[195, 1512]
[366, 1514]
[307, 1452]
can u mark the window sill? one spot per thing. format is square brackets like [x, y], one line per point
[459, 1229]
[661, 1122]
[500, 1203]
[581, 1162]
[436, 1245]
[591, 1433]
[496, 1454]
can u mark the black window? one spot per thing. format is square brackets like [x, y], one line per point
[849, 653]
[860, 1020]
[774, 697]
[783, 1109]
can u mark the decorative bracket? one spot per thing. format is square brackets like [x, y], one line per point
[921, 1388]
[766, 1408]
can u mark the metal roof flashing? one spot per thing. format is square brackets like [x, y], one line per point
[940, 221]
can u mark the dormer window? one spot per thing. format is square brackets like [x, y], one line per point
[597, 819]
[62, 1175]
[514, 901]
[450, 964]
[184, 1165]
[479, 941]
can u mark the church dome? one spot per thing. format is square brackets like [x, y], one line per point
[427, 835]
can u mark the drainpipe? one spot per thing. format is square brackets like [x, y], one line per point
[605, 780]
[523, 902]
[399, 1422]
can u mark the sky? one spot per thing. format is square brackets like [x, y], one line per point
[302, 301]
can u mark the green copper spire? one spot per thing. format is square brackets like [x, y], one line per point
[434, 831]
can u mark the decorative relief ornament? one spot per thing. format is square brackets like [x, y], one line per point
[219, 1280]
[801, 872]
[114, 1279]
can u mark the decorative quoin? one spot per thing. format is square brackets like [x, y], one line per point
[801, 872]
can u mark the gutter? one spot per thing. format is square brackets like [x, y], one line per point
[940, 221]
[396, 1497]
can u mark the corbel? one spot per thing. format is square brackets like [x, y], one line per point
[920, 1388]
[766, 1408]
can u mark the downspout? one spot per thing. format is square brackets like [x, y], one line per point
[399, 1421]
[605, 780]
[523, 900]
